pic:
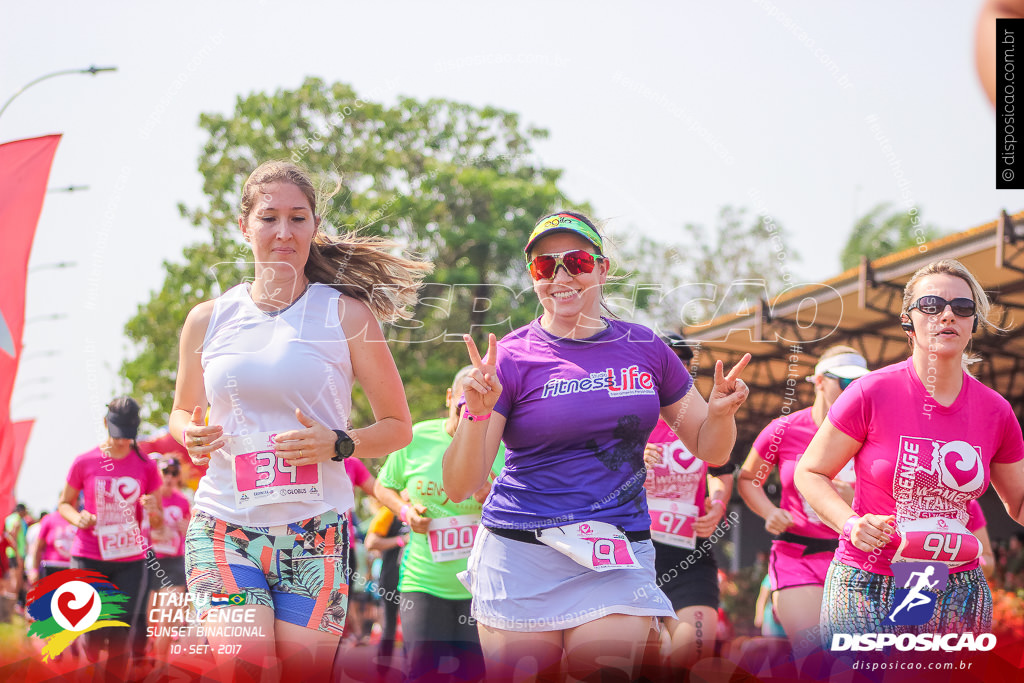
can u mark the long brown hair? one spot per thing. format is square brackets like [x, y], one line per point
[361, 266]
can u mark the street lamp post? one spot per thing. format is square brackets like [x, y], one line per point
[91, 70]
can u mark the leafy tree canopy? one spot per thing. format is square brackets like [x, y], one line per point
[885, 230]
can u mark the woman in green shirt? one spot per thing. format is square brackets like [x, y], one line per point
[435, 606]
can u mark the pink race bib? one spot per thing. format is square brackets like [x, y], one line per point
[672, 522]
[936, 539]
[261, 477]
[595, 545]
[451, 538]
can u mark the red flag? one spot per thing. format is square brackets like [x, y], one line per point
[24, 172]
[9, 468]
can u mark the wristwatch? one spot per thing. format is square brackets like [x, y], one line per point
[344, 446]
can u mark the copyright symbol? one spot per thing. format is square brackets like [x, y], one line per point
[1007, 174]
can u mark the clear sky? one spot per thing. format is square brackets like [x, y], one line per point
[659, 112]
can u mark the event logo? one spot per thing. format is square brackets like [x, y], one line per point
[961, 466]
[914, 604]
[72, 602]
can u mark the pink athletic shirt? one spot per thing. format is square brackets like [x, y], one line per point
[112, 490]
[781, 444]
[681, 475]
[169, 541]
[919, 459]
[57, 535]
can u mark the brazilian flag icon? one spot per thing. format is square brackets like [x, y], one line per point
[237, 599]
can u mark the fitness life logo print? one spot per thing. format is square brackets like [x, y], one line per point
[72, 602]
[914, 604]
[630, 381]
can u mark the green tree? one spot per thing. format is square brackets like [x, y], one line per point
[709, 273]
[884, 230]
[456, 183]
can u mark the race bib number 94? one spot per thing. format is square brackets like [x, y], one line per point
[261, 477]
[936, 540]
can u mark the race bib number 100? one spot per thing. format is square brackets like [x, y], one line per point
[451, 538]
[261, 477]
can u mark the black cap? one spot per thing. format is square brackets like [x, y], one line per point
[123, 418]
[169, 462]
[680, 346]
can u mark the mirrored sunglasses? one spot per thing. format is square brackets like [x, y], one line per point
[575, 262]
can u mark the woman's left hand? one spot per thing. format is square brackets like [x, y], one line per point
[730, 391]
[306, 446]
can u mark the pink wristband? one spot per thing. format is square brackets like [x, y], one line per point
[474, 418]
[720, 502]
[400, 542]
[184, 439]
[848, 527]
[403, 513]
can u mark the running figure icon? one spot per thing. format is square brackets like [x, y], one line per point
[914, 598]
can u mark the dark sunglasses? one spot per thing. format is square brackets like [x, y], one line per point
[173, 471]
[575, 262]
[933, 305]
[843, 381]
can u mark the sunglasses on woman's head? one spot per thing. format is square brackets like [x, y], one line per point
[843, 381]
[575, 262]
[930, 304]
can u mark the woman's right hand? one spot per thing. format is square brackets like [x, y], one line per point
[416, 516]
[201, 440]
[778, 521]
[652, 455]
[481, 386]
[86, 520]
[872, 531]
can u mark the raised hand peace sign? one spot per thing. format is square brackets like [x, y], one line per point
[481, 385]
[729, 391]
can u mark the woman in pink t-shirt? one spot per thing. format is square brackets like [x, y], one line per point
[803, 547]
[117, 481]
[925, 438]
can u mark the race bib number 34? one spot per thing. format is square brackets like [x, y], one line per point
[261, 477]
[451, 538]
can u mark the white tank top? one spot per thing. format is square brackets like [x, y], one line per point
[258, 368]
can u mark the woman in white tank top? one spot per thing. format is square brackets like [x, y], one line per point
[275, 360]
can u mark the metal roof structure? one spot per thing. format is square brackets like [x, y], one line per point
[860, 308]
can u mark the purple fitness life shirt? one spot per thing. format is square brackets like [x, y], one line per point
[579, 412]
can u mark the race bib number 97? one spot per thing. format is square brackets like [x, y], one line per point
[261, 477]
[672, 522]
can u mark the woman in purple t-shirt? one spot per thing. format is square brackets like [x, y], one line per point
[926, 438]
[564, 565]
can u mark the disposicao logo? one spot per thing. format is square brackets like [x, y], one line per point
[72, 602]
[914, 604]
